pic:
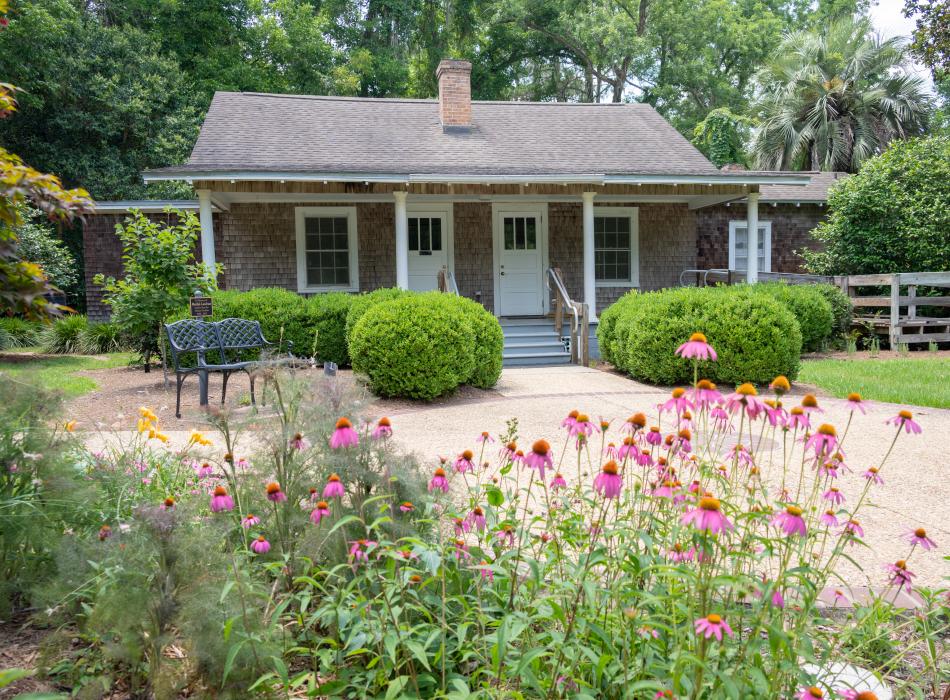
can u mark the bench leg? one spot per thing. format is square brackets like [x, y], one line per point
[224, 386]
[203, 387]
[179, 380]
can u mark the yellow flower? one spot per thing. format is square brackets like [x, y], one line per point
[161, 436]
[147, 414]
[143, 425]
[198, 438]
[70, 426]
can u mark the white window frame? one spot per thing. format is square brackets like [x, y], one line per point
[633, 213]
[765, 230]
[417, 209]
[302, 213]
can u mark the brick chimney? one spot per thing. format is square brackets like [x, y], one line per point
[455, 94]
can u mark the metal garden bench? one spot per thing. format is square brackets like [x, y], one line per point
[225, 340]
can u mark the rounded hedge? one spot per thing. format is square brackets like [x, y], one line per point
[810, 308]
[327, 318]
[842, 310]
[362, 302]
[414, 346]
[755, 336]
[283, 314]
[489, 341]
[609, 318]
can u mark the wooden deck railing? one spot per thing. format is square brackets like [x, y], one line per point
[902, 327]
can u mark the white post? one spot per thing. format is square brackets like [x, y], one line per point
[402, 241]
[207, 227]
[590, 286]
[752, 238]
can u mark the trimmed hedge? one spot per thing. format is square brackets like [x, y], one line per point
[810, 308]
[842, 310]
[361, 304]
[327, 316]
[609, 318]
[422, 346]
[755, 336]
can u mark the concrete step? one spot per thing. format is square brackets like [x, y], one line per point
[534, 349]
[536, 359]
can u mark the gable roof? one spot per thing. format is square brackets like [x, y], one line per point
[815, 191]
[402, 138]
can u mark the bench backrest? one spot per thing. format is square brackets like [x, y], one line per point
[240, 334]
[193, 335]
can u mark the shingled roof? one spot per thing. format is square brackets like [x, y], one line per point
[254, 132]
[815, 191]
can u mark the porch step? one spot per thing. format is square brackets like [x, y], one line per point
[532, 342]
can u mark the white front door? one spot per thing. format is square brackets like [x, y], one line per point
[520, 245]
[430, 246]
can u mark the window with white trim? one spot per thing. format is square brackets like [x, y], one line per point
[326, 249]
[739, 245]
[616, 260]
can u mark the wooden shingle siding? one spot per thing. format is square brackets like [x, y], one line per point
[474, 271]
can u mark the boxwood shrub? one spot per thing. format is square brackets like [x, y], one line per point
[361, 304]
[810, 308]
[841, 309]
[424, 345]
[755, 336]
[283, 315]
[609, 318]
[327, 318]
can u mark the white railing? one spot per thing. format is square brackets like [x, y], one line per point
[579, 317]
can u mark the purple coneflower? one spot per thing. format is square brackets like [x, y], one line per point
[508, 451]
[696, 348]
[506, 535]
[476, 519]
[678, 401]
[705, 394]
[334, 487]
[858, 695]
[344, 435]
[168, 504]
[834, 496]
[853, 528]
[811, 693]
[790, 521]
[484, 437]
[797, 418]
[634, 423]
[299, 442]
[320, 511]
[745, 398]
[220, 500]
[829, 519]
[274, 493]
[824, 440]
[105, 532]
[900, 575]
[741, 455]
[540, 457]
[570, 419]
[438, 481]
[383, 429]
[486, 571]
[712, 625]
[461, 550]
[582, 426]
[707, 516]
[654, 436]
[359, 549]
[720, 417]
[558, 482]
[810, 404]
[249, 521]
[406, 507]
[260, 545]
[678, 554]
[776, 415]
[463, 463]
[608, 483]
[203, 470]
[780, 385]
[905, 420]
[855, 402]
[919, 537]
[873, 474]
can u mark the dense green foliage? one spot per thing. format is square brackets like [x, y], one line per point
[834, 97]
[722, 135]
[38, 242]
[64, 335]
[842, 310]
[810, 308]
[931, 34]
[362, 303]
[160, 275]
[755, 336]
[327, 315]
[19, 332]
[893, 216]
[422, 346]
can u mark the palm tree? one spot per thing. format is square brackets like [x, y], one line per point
[832, 98]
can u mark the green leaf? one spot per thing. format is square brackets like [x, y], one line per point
[396, 686]
[11, 675]
[495, 496]
[229, 661]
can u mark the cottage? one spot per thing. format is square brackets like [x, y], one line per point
[339, 193]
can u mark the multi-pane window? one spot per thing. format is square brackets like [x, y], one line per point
[425, 234]
[612, 249]
[739, 246]
[521, 232]
[327, 250]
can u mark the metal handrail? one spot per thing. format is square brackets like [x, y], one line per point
[450, 278]
[579, 332]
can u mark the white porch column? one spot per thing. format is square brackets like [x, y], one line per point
[752, 238]
[402, 241]
[590, 287]
[207, 227]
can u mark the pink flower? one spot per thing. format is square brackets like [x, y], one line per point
[834, 496]
[712, 626]
[853, 528]
[634, 424]
[484, 437]
[249, 521]
[905, 420]
[824, 440]
[486, 571]
[858, 695]
[509, 451]
[319, 512]
[654, 436]
[260, 545]
[438, 481]
[359, 549]
[608, 483]
[797, 418]
[540, 457]
[334, 487]
[274, 493]
[705, 394]
[873, 475]
[476, 519]
[383, 429]
[919, 537]
[678, 401]
[790, 521]
[720, 417]
[461, 550]
[677, 553]
[829, 519]
[810, 404]
[855, 403]
[900, 575]
[741, 454]
[745, 398]
[506, 535]
[810, 693]
[344, 435]
[463, 463]
[696, 348]
[775, 413]
[220, 500]
[299, 442]
[558, 482]
[406, 507]
[203, 470]
[707, 516]
[570, 419]
[582, 426]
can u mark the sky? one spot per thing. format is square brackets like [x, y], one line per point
[888, 19]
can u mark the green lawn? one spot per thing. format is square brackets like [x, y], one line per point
[920, 381]
[59, 372]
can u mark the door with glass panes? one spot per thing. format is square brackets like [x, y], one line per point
[739, 246]
[520, 274]
[429, 247]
